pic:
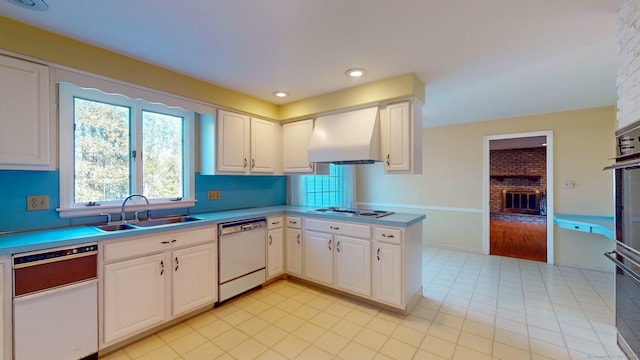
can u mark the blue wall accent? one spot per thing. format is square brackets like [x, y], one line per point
[236, 192]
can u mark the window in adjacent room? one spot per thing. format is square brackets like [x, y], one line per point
[112, 146]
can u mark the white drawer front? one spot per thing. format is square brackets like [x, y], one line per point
[148, 244]
[389, 235]
[274, 222]
[336, 227]
[294, 222]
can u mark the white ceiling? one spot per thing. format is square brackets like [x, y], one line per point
[479, 59]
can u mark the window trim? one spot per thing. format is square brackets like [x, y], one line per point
[66, 92]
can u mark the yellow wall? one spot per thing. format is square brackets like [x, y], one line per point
[450, 190]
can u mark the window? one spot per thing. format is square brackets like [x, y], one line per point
[112, 146]
[318, 191]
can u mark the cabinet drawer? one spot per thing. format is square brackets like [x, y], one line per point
[393, 236]
[294, 222]
[148, 244]
[274, 222]
[336, 227]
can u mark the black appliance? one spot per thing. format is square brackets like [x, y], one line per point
[626, 255]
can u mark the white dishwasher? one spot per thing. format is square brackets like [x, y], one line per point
[55, 304]
[241, 256]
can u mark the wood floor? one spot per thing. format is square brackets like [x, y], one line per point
[519, 240]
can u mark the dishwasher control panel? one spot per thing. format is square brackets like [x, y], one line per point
[42, 255]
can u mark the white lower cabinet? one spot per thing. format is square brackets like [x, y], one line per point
[134, 295]
[275, 247]
[148, 280]
[387, 273]
[352, 264]
[318, 257]
[293, 251]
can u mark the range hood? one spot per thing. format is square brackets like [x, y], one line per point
[351, 137]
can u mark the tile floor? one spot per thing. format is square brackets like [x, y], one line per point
[475, 307]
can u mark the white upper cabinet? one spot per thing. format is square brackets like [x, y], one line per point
[26, 135]
[401, 136]
[296, 145]
[239, 144]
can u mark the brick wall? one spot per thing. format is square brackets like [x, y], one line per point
[531, 161]
[628, 74]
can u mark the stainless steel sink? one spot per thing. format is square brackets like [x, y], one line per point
[166, 221]
[115, 227]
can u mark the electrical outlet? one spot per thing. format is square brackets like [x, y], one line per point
[213, 194]
[37, 202]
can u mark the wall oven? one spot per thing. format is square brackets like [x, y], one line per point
[626, 255]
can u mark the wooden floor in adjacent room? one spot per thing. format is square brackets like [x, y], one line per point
[518, 240]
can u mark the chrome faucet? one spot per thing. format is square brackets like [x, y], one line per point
[123, 214]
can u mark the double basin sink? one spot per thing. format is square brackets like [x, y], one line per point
[147, 223]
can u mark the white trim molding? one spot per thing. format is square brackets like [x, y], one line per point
[419, 207]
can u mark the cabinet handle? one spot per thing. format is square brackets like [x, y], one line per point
[292, 222]
[338, 246]
[161, 267]
[378, 254]
[177, 264]
[244, 164]
[388, 159]
[168, 242]
[310, 166]
[329, 244]
[298, 239]
[270, 240]
[275, 223]
[388, 236]
[334, 227]
[253, 163]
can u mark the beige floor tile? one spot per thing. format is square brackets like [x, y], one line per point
[270, 335]
[306, 312]
[549, 350]
[397, 349]
[546, 335]
[225, 309]
[478, 328]
[274, 299]
[201, 320]
[116, 355]
[288, 305]
[475, 342]
[512, 339]
[188, 342]
[382, 326]
[325, 321]
[253, 326]
[214, 329]
[360, 317]
[229, 339]
[289, 323]
[320, 303]
[331, 342]
[408, 335]
[314, 353]
[237, 317]
[175, 332]
[339, 309]
[346, 328]
[144, 346]
[371, 339]
[303, 297]
[256, 307]
[309, 332]
[463, 353]
[206, 351]
[248, 349]
[444, 332]
[356, 351]
[161, 353]
[416, 323]
[425, 355]
[291, 346]
[506, 352]
[271, 355]
[272, 315]
[438, 346]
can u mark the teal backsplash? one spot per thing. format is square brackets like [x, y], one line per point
[236, 192]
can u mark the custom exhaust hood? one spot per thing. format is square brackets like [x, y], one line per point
[351, 137]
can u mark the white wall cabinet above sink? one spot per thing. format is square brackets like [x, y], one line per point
[237, 144]
[27, 139]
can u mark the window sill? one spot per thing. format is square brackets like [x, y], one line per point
[115, 209]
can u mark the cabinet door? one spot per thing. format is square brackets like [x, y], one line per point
[24, 115]
[352, 258]
[296, 146]
[233, 142]
[134, 295]
[262, 146]
[194, 277]
[318, 257]
[396, 137]
[387, 273]
[294, 251]
[275, 253]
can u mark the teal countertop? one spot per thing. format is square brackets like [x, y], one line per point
[16, 242]
[602, 225]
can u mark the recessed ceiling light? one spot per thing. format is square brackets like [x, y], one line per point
[355, 73]
[31, 4]
[280, 94]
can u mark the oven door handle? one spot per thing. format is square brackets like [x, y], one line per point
[621, 265]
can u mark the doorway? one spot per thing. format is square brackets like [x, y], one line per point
[518, 195]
